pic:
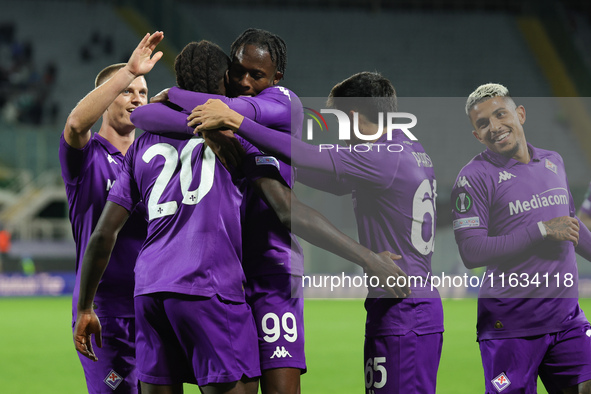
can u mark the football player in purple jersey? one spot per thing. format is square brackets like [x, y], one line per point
[393, 185]
[90, 166]
[272, 257]
[514, 213]
[189, 285]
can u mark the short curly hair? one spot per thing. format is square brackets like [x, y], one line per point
[265, 40]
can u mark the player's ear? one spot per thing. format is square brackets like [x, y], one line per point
[351, 115]
[521, 114]
[475, 134]
[278, 77]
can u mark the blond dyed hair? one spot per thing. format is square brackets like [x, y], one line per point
[484, 92]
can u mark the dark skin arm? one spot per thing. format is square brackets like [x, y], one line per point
[225, 146]
[96, 259]
[316, 229]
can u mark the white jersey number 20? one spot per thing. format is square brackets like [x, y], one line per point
[158, 209]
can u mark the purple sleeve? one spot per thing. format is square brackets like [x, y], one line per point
[285, 147]
[73, 161]
[256, 165]
[125, 191]
[583, 248]
[158, 118]
[189, 100]
[470, 200]
[478, 249]
[274, 107]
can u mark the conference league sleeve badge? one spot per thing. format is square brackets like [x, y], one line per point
[463, 201]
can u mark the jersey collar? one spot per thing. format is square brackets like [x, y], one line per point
[106, 144]
[508, 162]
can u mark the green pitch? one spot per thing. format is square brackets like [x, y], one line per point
[37, 353]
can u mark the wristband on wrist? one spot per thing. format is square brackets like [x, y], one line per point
[542, 229]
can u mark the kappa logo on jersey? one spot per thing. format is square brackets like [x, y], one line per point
[111, 160]
[551, 166]
[463, 202]
[267, 160]
[501, 382]
[113, 379]
[463, 182]
[505, 176]
[280, 353]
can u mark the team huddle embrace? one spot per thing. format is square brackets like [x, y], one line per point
[188, 267]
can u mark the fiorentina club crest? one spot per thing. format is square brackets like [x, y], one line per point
[501, 382]
[551, 166]
[113, 379]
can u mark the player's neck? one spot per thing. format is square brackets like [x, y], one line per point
[120, 141]
[523, 154]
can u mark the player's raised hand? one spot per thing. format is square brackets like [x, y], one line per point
[382, 266]
[87, 323]
[214, 114]
[225, 146]
[563, 228]
[141, 60]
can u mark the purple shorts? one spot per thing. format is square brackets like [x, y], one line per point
[278, 308]
[402, 363]
[561, 359]
[115, 369]
[182, 338]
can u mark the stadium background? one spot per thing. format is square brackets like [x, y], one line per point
[434, 51]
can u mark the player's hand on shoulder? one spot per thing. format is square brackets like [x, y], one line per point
[161, 97]
[225, 146]
[382, 266]
[563, 228]
[87, 323]
[141, 60]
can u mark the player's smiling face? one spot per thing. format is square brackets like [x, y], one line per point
[120, 110]
[251, 71]
[498, 124]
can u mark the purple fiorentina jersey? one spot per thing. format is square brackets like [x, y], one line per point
[88, 174]
[269, 247]
[503, 199]
[194, 243]
[394, 195]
